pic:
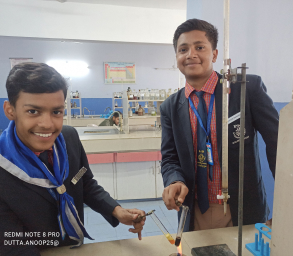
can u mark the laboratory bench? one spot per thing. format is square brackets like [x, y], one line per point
[135, 141]
[118, 160]
[159, 245]
[83, 121]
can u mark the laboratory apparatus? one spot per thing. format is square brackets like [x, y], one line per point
[162, 228]
[230, 76]
[140, 217]
[181, 224]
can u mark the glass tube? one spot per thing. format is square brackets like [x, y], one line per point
[181, 224]
[162, 228]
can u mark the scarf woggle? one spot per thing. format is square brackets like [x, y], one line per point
[20, 161]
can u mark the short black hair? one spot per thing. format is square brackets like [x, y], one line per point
[116, 114]
[33, 77]
[196, 24]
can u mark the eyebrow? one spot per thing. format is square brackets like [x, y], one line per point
[196, 42]
[38, 107]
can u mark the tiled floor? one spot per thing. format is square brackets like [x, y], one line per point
[99, 229]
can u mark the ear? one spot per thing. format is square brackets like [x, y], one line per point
[215, 55]
[9, 110]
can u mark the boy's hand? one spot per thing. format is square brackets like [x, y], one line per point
[269, 222]
[127, 217]
[174, 191]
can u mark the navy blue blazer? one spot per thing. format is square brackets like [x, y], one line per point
[178, 161]
[28, 208]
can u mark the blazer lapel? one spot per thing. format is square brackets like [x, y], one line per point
[183, 112]
[41, 191]
[218, 99]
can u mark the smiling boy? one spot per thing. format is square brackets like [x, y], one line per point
[45, 177]
[192, 127]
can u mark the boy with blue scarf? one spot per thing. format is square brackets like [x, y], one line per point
[44, 174]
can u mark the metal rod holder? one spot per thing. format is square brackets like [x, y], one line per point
[241, 156]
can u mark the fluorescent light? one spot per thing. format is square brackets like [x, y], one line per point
[70, 68]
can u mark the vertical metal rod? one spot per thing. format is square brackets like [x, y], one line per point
[226, 28]
[225, 106]
[241, 157]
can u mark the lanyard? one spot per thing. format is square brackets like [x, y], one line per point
[208, 131]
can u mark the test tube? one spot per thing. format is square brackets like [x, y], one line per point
[181, 224]
[162, 228]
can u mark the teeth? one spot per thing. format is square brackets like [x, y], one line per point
[45, 135]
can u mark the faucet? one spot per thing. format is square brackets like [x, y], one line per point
[107, 108]
[83, 111]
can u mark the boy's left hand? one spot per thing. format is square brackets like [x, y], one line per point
[269, 222]
[127, 217]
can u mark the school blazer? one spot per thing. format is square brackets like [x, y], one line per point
[178, 161]
[29, 208]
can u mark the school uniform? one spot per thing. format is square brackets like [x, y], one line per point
[178, 157]
[26, 207]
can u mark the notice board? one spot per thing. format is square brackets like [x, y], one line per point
[119, 72]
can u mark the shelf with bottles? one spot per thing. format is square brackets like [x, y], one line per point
[116, 106]
[148, 94]
[117, 95]
[148, 110]
[117, 100]
[75, 103]
[143, 105]
[75, 95]
[72, 107]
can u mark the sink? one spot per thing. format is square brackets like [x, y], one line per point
[104, 130]
[91, 116]
[99, 131]
[87, 117]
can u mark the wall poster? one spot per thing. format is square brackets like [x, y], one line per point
[119, 72]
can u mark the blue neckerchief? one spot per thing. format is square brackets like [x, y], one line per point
[20, 161]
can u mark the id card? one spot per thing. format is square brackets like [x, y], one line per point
[210, 154]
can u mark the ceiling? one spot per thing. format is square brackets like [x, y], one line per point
[161, 4]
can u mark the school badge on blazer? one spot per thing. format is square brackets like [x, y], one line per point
[201, 159]
[78, 176]
[236, 134]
